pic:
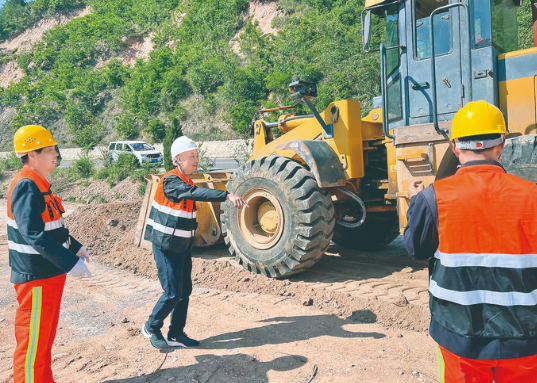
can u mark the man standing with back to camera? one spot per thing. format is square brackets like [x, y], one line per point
[171, 227]
[478, 228]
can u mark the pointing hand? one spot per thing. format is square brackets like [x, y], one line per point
[237, 201]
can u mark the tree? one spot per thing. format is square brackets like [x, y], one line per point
[172, 132]
[14, 16]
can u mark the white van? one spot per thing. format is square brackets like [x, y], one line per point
[140, 149]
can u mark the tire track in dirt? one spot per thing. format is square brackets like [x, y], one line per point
[387, 275]
[379, 275]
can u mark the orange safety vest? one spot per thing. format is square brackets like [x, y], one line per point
[23, 258]
[171, 226]
[484, 274]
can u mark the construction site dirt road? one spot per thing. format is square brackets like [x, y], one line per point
[353, 317]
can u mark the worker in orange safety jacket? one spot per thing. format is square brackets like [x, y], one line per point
[171, 228]
[41, 252]
[478, 228]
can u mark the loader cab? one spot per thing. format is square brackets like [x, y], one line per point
[466, 38]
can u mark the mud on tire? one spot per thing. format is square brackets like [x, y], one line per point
[519, 156]
[297, 216]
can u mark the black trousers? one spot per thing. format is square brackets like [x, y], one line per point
[175, 275]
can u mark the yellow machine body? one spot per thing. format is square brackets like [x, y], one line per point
[518, 90]
[350, 135]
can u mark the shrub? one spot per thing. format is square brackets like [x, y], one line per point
[156, 129]
[146, 169]
[126, 165]
[102, 174]
[205, 163]
[142, 188]
[10, 162]
[126, 126]
[172, 132]
[83, 166]
[100, 198]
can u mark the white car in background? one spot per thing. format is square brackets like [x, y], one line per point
[140, 149]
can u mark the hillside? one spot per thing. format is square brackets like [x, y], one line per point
[92, 70]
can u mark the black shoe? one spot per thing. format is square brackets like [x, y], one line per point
[181, 341]
[155, 337]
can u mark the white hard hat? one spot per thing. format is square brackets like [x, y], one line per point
[181, 145]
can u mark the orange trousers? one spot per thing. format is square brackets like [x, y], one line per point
[455, 369]
[36, 321]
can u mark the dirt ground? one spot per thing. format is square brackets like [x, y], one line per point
[353, 317]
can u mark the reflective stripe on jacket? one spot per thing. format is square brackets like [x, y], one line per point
[484, 274]
[171, 226]
[37, 238]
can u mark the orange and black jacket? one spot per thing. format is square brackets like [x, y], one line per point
[40, 246]
[483, 273]
[172, 220]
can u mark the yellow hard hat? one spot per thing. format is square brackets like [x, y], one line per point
[32, 137]
[477, 118]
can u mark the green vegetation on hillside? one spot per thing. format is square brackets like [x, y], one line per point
[65, 81]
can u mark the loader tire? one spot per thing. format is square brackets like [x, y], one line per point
[378, 230]
[289, 222]
[519, 157]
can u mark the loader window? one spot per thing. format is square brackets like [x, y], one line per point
[442, 29]
[481, 23]
[392, 39]
[395, 106]
[504, 25]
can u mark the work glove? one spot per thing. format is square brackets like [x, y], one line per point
[83, 254]
[80, 270]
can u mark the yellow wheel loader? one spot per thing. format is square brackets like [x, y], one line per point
[334, 176]
[323, 179]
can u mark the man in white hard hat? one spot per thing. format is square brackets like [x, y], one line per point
[170, 228]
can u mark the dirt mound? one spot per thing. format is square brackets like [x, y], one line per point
[107, 231]
[97, 191]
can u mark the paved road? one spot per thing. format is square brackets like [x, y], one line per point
[220, 164]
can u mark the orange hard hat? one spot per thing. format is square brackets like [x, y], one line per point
[32, 137]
